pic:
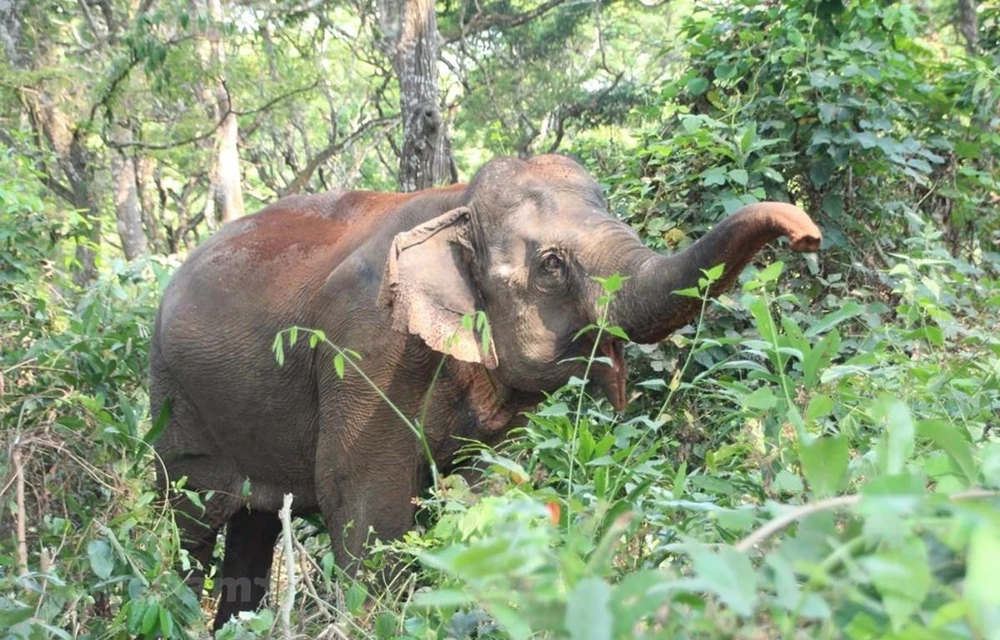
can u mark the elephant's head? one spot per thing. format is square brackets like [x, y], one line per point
[525, 249]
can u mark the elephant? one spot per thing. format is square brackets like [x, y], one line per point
[395, 278]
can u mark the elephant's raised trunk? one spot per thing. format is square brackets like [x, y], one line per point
[646, 307]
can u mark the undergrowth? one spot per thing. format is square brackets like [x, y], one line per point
[815, 457]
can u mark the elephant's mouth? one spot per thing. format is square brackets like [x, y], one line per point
[611, 377]
[608, 371]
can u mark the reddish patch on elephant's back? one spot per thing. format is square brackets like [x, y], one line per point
[336, 222]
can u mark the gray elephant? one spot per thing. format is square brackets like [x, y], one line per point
[391, 276]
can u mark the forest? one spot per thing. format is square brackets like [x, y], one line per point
[816, 455]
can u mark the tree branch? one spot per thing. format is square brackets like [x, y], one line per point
[303, 176]
[210, 132]
[795, 514]
[481, 22]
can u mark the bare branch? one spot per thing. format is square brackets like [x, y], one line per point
[304, 176]
[481, 22]
[222, 120]
[799, 512]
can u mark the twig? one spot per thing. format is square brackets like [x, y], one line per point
[287, 536]
[830, 504]
[22, 538]
[206, 134]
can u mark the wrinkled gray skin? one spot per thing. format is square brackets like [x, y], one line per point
[390, 276]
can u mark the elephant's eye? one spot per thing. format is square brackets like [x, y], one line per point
[552, 263]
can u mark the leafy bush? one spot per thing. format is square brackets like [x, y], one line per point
[99, 549]
[848, 110]
[819, 462]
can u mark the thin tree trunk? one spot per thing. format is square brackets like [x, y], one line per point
[411, 42]
[73, 160]
[145, 184]
[10, 29]
[968, 24]
[52, 127]
[225, 195]
[129, 220]
[226, 188]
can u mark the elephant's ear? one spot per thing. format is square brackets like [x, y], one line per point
[428, 285]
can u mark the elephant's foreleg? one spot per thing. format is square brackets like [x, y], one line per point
[246, 566]
[372, 498]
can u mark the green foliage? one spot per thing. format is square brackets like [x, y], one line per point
[815, 457]
[849, 110]
[100, 549]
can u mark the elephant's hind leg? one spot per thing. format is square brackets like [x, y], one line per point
[246, 566]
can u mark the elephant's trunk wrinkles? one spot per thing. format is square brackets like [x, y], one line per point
[646, 307]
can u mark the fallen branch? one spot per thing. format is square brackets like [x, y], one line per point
[287, 536]
[22, 538]
[795, 514]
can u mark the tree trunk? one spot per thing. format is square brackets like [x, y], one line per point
[224, 201]
[129, 220]
[145, 184]
[226, 189]
[968, 24]
[72, 159]
[10, 30]
[409, 28]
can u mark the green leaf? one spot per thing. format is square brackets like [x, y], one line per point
[902, 577]
[588, 612]
[887, 503]
[982, 569]
[896, 446]
[166, 622]
[748, 137]
[824, 463]
[279, 352]
[762, 398]
[150, 618]
[355, 596]
[787, 482]
[17, 613]
[729, 575]
[102, 560]
[613, 283]
[262, 622]
[724, 71]
[713, 177]
[954, 443]
[819, 405]
[833, 204]
[739, 176]
[338, 364]
[691, 123]
[789, 595]
[160, 423]
[442, 598]
[693, 292]
[512, 620]
[634, 598]
[821, 170]
[771, 272]
[385, 626]
[715, 272]
[697, 86]
[848, 310]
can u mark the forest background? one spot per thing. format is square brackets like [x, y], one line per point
[816, 457]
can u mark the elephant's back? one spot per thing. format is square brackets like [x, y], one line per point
[220, 313]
